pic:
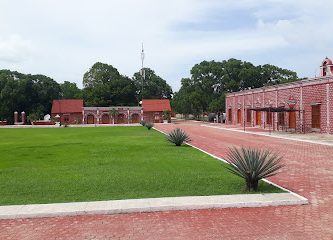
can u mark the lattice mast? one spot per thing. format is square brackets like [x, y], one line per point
[142, 71]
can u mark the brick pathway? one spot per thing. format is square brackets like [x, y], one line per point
[309, 173]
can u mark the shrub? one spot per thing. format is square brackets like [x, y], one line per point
[178, 137]
[149, 125]
[143, 122]
[211, 117]
[166, 115]
[253, 165]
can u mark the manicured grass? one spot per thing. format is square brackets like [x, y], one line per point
[104, 163]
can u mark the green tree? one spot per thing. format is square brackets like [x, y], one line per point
[25, 92]
[70, 91]
[152, 87]
[272, 75]
[123, 92]
[105, 86]
[45, 90]
[209, 82]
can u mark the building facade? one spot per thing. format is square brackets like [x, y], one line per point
[153, 109]
[73, 112]
[69, 111]
[302, 106]
[111, 115]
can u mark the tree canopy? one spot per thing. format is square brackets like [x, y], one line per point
[70, 91]
[209, 82]
[25, 92]
[152, 87]
[105, 86]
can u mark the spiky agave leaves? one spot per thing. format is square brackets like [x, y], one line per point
[178, 137]
[253, 164]
[149, 125]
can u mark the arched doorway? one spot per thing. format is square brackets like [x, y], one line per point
[105, 119]
[135, 118]
[90, 119]
[121, 119]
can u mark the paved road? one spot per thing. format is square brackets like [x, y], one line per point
[309, 172]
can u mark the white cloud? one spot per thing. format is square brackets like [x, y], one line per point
[69, 36]
[14, 49]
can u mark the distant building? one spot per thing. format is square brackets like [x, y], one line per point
[303, 106]
[69, 110]
[153, 109]
[112, 115]
[73, 112]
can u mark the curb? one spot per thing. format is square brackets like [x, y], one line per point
[148, 205]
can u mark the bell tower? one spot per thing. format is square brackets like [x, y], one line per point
[326, 68]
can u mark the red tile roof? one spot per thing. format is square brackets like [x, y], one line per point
[156, 105]
[67, 106]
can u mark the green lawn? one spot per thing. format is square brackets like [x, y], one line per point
[87, 164]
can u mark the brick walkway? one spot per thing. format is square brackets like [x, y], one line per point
[309, 173]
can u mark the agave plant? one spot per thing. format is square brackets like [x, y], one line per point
[149, 125]
[143, 122]
[253, 164]
[178, 137]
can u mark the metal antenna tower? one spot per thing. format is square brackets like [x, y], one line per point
[142, 72]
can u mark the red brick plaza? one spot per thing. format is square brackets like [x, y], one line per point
[303, 106]
[309, 172]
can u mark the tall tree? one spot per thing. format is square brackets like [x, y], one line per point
[24, 92]
[210, 81]
[70, 91]
[105, 86]
[152, 86]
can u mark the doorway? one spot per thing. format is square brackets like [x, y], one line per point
[90, 119]
[315, 123]
[105, 119]
[292, 120]
[230, 115]
[248, 116]
[269, 118]
[121, 118]
[258, 118]
[239, 116]
[135, 118]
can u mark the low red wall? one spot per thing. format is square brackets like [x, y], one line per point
[43, 123]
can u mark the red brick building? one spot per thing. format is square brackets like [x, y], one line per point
[104, 115]
[153, 109]
[69, 110]
[73, 112]
[303, 106]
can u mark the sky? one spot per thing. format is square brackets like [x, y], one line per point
[64, 38]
